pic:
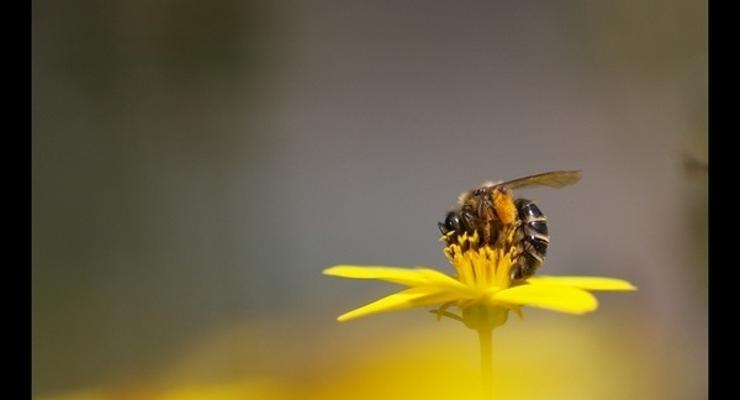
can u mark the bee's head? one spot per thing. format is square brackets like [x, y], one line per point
[453, 223]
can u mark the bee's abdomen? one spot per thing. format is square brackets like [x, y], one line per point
[534, 239]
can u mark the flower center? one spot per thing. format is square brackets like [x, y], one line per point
[487, 267]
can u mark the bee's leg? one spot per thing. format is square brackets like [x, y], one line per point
[477, 224]
[516, 272]
[487, 211]
[481, 205]
[486, 208]
[487, 235]
[468, 217]
[470, 220]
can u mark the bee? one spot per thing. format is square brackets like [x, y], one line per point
[491, 208]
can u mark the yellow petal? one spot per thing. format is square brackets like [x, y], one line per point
[552, 297]
[584, 282]
[402, 276]
[409, 298]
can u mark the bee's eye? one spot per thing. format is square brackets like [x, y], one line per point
[452, 223]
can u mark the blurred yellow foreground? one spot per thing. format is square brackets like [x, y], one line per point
[577, 358]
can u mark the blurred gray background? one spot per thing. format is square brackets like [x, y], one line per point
[196, 164]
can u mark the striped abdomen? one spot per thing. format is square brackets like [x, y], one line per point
[534, 239]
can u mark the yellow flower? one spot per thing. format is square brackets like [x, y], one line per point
[483, 289]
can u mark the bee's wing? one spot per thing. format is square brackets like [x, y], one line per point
[555, 179]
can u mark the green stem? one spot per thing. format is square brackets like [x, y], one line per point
[486, 363]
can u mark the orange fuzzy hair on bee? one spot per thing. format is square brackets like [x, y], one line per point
[503, 202]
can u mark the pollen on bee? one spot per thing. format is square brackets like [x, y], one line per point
[505, 208]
